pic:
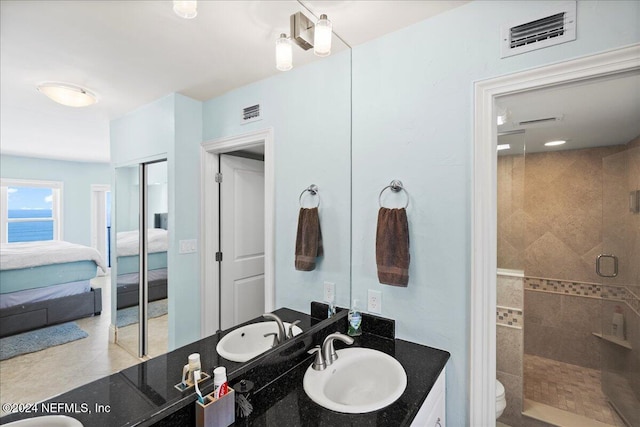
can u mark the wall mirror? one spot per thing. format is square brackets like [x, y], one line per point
[308, 110]
[140, 268]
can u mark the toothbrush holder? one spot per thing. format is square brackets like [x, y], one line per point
[216, 412]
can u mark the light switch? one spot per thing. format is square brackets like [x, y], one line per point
[188, 246]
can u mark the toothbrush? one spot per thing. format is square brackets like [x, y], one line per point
[196, 378]
[185, 371]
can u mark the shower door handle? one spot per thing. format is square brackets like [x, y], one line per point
[615, 265]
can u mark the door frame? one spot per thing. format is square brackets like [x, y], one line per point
[482, 363]
[98, 210]
[209, 154]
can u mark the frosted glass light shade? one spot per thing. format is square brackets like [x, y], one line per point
[187, 9]
[69, 95]
[322, 37]
[284, 53]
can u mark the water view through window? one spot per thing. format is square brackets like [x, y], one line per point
[30, 214]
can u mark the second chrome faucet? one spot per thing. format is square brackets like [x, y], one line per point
[326, 355]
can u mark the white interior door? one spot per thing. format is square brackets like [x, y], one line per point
[241, 239]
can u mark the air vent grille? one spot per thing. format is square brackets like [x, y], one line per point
[539, 121]
[554, 27]
[251, 113]
[536, 31]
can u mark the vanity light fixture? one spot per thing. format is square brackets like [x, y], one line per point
[554, 143]
[187, 9]
[305, 34]
[504, 147]
[322, 37]
[284, 53]
[68, 94]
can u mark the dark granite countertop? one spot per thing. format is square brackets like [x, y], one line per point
[145, 393]
[285, 403]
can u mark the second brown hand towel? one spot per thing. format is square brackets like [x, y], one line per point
[392, 247]
[308, 239]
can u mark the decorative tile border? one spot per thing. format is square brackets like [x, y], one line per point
[506, 316]
[584, 289]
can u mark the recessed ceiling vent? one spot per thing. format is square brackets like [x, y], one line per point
[551, 28]
[251, 114]
[545, 120]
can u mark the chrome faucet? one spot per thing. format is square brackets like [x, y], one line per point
[326, 355]
[281, 332]
[290, 333]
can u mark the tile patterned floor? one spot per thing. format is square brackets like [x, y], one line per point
[568, 387]
[64, 367]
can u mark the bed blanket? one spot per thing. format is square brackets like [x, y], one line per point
[128, 243]
[33, 254]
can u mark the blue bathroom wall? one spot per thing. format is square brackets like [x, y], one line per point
[412, 120]
[160, 130]
[309, 111]
[77, 178]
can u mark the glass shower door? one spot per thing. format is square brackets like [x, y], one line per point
[619, 268]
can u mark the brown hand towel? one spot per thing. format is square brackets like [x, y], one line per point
[308, 239]
[392, 247]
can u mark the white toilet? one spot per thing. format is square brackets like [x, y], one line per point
[501, 402]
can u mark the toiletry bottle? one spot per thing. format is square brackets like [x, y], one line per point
[220, 385]
[331, 311]
[617, 324]
[355, 320]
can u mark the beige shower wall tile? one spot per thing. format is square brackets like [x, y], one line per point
[509, 350]
[550, 257]
[510, 292]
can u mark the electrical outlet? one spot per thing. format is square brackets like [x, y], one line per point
[329, 291]
[374, 302]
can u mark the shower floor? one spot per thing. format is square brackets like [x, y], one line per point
[567, 387]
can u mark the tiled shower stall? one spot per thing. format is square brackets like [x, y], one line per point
[557, 211]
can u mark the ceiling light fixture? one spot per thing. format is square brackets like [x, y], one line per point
[554, 143]
[68, 94]
[503, 147]
[187, 9]
[322, 37]
[305, 34]
[284, 53]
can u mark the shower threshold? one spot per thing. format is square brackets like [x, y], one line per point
[557, 417]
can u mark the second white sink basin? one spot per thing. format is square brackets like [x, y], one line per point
[47, 421]
[361, 380]
[249, 341]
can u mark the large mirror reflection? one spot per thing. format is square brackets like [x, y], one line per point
[188, 293]
[141, 258]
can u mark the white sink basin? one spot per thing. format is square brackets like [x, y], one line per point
[249, 341]
[47, 421]
[361, 380]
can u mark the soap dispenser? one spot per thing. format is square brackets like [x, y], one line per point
[355, 320]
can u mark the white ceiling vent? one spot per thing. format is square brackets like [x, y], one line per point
[556, 26]
[251, 114]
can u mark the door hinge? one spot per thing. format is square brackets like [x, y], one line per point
[218, 177]
[218, 256]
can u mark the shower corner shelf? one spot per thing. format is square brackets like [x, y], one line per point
[615, 340]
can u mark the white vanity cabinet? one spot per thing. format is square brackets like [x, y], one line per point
[432, 411]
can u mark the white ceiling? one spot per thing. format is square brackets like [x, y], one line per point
[592, 113]
[133, 52]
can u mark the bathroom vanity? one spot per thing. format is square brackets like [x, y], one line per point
[145, 394]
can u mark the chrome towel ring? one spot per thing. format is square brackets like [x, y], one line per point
[395, 186]
[313, 189]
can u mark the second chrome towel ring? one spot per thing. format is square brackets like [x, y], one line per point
[395, 186]
[313, 189]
